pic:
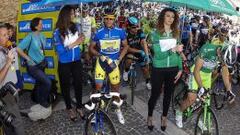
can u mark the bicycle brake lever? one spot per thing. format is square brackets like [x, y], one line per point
[118, 104]
[90, 108]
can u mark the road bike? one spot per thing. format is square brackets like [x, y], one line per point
[206, 123]
[98, 122]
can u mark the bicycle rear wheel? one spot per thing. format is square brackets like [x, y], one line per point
[88, 80]
[99, 123]
[179, 94]
[133, 83]
[219, 97]
[207, 123]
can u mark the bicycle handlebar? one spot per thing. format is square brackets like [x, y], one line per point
[95, 98]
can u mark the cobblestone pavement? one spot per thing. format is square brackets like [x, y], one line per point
[59, 124]
[228, 117]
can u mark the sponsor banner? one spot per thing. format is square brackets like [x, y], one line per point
[24, 26]
[34, 0]
[37, 7]
[52, 77]
[49, 44]
[50, 61]
[28, 78]
[29, 9]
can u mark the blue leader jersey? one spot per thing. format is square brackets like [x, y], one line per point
[109, 41]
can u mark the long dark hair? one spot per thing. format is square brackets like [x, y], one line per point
[174, 26]
[64, 21]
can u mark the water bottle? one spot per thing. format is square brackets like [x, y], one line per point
[111, 63]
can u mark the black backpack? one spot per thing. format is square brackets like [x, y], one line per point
[53, 96]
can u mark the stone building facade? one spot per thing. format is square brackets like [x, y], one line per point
[9, 11]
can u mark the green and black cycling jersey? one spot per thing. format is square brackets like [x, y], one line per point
[134, 40]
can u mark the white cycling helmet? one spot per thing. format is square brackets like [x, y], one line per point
[230, 54]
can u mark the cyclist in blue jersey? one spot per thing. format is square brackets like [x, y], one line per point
[106, 45]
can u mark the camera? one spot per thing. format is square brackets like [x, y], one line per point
[6, 118]
[8, 87]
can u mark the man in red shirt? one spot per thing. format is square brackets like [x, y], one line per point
[121, 20]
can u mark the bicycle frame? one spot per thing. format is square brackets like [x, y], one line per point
[98, 116]
[204, 104]
[132, 71]
[199, 104]
[193, 108]
[105, 90]
[133, 76]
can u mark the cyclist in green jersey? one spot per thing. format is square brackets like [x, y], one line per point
[201, 72]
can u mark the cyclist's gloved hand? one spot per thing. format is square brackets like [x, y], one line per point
[103, 58]
[147, 59]
[117, 61]
[201, 92]
[142, 53]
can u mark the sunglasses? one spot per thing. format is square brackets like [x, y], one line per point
[134, 27]
[223, 35]
[109, 18]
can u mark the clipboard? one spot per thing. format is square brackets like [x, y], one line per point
[167, 44]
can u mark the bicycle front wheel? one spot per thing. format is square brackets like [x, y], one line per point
[99, 123]
[179, 94]
[207, 123]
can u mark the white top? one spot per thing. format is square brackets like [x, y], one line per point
[11, 74]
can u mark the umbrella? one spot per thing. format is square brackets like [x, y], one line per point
[220, 6]
[184, 3]
[68, 2]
